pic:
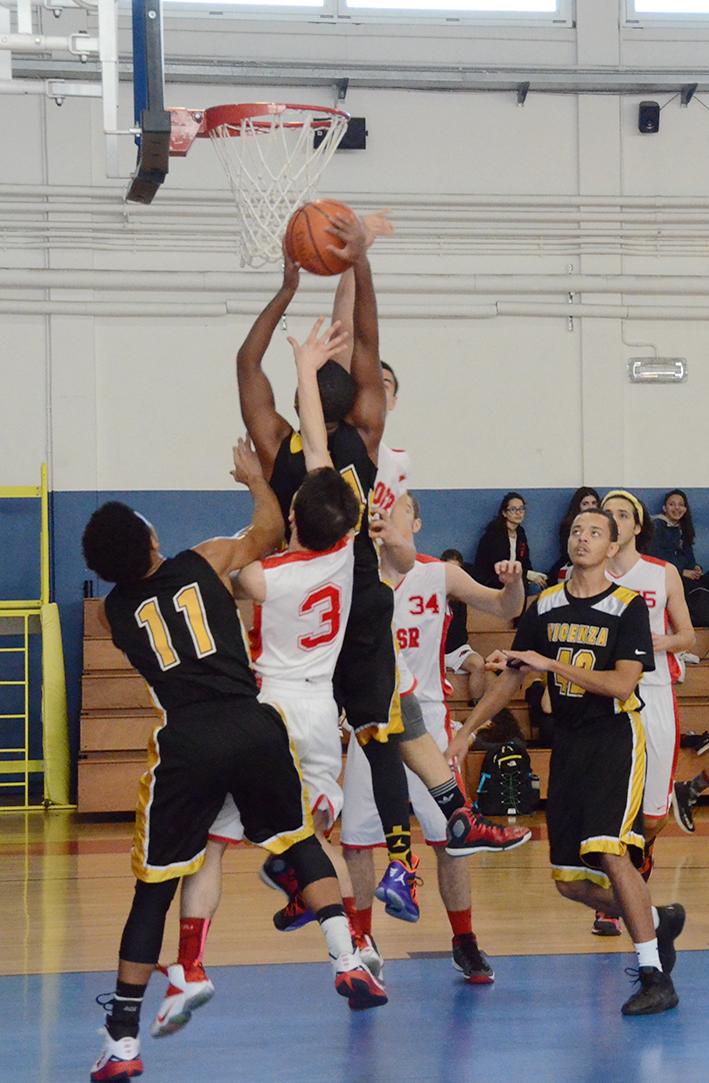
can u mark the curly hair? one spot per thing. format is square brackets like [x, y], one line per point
[117, 543]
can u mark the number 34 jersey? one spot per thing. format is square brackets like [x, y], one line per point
[298, 630]
[421, 617]
[180, 629]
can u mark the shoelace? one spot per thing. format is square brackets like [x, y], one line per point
[105, 1001]
[633, 972]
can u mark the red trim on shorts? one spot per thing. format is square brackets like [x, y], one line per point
[229, 842]
[308, 554]
[409, 691]
[331, 809]
[675, 758]
[371, 846]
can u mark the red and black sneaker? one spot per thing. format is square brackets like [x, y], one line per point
[356, 982]
[470, 833]
[293, 916]
[118, 1061]
[473, 964]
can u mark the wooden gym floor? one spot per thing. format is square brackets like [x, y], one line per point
[67, 887]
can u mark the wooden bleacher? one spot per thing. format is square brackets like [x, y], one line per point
[118, 715]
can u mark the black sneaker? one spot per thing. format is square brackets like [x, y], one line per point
[472, 963]
[672, 920]
[656, 993]
[683, 802]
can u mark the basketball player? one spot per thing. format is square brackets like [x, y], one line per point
[354, 410]
[592, 639]
[176, 621]
[421, 616]
[302, 600]
[659, 583]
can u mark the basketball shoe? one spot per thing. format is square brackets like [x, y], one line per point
[683, 802]
[356, 982]
[369, 953]
[278, 874]
[605, 925]
[470, 833]
[118, 1061]
[470, 961]
[397, 890]
[186, 992]
[672, 919]
[656, 992]
[293, 916]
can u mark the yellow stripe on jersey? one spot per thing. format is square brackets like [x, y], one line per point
[296, 443]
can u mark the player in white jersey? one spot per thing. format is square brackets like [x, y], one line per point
[660, 585]
[421, 617]
[302, 601]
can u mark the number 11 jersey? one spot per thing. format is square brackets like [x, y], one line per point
[298, 630]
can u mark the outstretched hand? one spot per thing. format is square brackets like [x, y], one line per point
[318, 348]
[247, 467]
[352, 232]
[382, 530]
[377, 224]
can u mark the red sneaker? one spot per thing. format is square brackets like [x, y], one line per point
[293, 916]
[118, 1060]
[470, 833]
[278, 874]
[186, 992]
[354, 981]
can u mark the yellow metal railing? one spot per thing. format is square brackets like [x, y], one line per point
[26, 614]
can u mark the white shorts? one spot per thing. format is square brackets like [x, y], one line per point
[311, 718]
[361, 826]
[454, 660]
[661, 724]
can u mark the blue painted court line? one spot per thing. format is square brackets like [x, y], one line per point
[547, 1019]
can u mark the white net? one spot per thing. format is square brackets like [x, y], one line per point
[273, 163]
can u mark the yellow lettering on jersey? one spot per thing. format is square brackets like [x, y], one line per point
[602, 637]
[590, 634]
[582, 659]
[150, 618]
[189, 601]
[352, 478]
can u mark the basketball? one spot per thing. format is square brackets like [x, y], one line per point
[307, 239]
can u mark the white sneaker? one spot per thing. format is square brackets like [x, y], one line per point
[691, 659]
[117, 1060]
[370, 956]
[182, 998]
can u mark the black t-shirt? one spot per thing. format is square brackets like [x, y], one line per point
[592, 633]
[350, 456]
[457, 633]
[180, 629]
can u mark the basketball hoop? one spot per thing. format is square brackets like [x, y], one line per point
[273, 156]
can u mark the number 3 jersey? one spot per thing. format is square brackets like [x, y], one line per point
[298, 630]
[591, 633]
[421, 618]
[180, 628]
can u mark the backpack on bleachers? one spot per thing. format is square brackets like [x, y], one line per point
[507, 784]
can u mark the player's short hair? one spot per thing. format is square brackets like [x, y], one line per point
[117, 543]
[612, 525]
[414, 504]
[337, 391]
[389, 369]
[452, 554]
[325, 508]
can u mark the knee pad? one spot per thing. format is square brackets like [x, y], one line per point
[309, 862]
[414, 725]
[143, 932]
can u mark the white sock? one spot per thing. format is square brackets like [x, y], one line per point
[655, 916]
[647, 954]
[338, 937]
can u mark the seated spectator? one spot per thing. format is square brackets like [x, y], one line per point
[459, 656]
[674, 537]
[583, 499]
[504, 538]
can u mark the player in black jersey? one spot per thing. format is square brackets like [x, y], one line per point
[354, 408]
[176, 620]
[593, 641]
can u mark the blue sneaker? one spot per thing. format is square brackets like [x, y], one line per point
[397, 890]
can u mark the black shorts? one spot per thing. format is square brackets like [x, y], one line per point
[200, 754]
[366, 676]
[595, 797]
